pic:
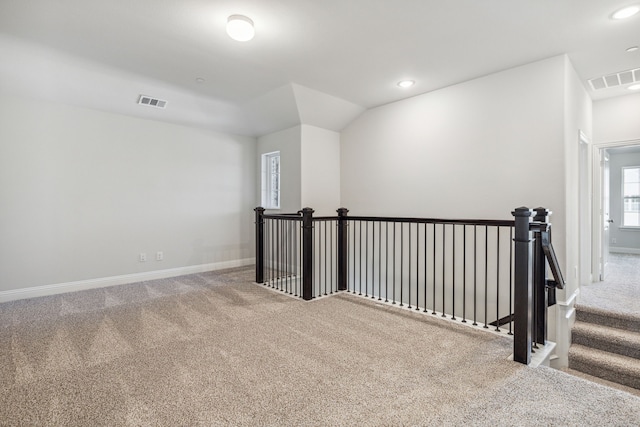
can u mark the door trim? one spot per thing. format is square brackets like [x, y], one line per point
[597, 243]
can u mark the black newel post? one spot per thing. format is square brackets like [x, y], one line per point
[342, 249]
[523, 292]
[307, 253]
[540, 279]
[259, 244]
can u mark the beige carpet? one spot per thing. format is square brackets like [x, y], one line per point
[214, 349]
[620, 291]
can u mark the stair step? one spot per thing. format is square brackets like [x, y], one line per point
[604, 338]
[626, 321]
[609, 366]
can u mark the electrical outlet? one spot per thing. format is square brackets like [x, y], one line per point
[143, 257]
[159, 256]
[614, 241]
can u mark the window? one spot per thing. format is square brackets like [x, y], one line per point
[631, 196]
[271, 180]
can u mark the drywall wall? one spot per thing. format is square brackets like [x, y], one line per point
[83, 192]
[621, 239]
[616, 119]
[476, 149]
[287, 142]
[320, 170]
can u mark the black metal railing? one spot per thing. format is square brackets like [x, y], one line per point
[455, 268]
[490, 273]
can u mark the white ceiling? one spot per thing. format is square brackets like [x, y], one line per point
[323, 59]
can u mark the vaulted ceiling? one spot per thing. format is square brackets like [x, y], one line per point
[328, 58]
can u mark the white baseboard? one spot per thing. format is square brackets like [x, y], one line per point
[60, 288]
[619, 250]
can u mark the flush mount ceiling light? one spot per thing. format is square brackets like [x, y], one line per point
[240, 28]
[406, 83]
[626, 12]
[634, 87]
[632, 49]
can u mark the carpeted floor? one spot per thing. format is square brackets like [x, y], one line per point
[215, 349]
[620, 291]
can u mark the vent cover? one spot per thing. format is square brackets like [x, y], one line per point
[151, 102]
[616, 79]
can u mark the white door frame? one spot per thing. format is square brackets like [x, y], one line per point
[585, 218]
[597, 243]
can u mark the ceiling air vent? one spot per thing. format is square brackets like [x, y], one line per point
[617, 79]
[151, 102]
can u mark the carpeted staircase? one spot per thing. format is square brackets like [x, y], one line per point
[606, 345]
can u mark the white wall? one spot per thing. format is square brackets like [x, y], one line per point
[616, 119]
[83, 192]
[626, 240]
[286, 141]
[320, 170]
[477, 149]
[309, 168]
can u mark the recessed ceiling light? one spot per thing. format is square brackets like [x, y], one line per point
[199, 80]
[634, 87]
[240, 28]
[626, 12]
[406, 83]
[632, 49]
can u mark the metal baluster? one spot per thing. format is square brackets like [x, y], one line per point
[366, 259]
[401, 270]
[373, 259]
[417, 264]
[453, 273]
[360, 262]
[486, 274]
[325, 258]
[498, 279]
[278, 249]
[331, 256]
[380, 261]
[401, 262]
[510, 279]
[386, 263]
[464, 273]
[425, 268]
[286, 255]
[444, 271]
[301, 249]
[354, 257]
[272, 263]
[393, 297]
[434, 268]
[475, 274]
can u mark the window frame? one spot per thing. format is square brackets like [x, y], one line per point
[624, 198]
[268, 178]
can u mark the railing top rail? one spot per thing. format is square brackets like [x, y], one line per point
[293, 217]
[326, 218]
[492, 222]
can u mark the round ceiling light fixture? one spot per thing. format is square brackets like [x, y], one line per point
[406, 83]
[240, 28]
[632, 49]
[634, 87]
[626, 12]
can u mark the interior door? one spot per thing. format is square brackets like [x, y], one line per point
[604, 209]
